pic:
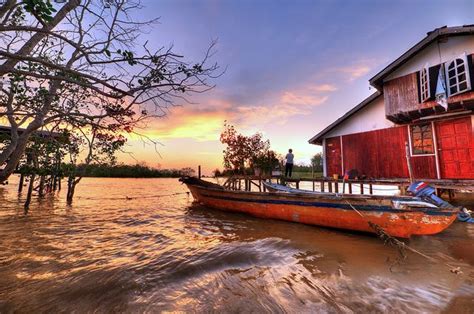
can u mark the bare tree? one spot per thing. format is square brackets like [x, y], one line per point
[82, 66]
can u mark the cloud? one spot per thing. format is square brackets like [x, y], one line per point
[204, 122]
[302, 99]
[355, 71]
[199, 123]
[324, 88]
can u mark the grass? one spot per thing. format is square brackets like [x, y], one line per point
[305, 175]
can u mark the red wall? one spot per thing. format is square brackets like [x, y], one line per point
[378, 154]
[333, 155]
[456, 148]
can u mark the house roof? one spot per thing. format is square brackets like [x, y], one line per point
[377, 80]
[318, 138]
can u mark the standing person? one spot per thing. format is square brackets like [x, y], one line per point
[289, 163]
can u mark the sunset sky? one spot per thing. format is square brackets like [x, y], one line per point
[293, 67]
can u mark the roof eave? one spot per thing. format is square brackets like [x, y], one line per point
[377, 80]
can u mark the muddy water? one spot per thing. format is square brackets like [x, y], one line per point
[160, 251]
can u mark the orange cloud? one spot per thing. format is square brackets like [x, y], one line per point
[186, 122]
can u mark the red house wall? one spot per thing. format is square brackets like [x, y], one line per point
[333, 155]
[377, 154]
[381, 153]
[455, 140]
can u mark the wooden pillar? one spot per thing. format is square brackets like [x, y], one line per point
[336, 187]
[298, 184]
[322, 186]
[362, 188]
[403, 189]
[330, 186]
[371, 190]
[199, 171]
[452, 194]
[350, 187]
[313, 185]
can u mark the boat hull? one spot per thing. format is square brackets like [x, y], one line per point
[328, 211]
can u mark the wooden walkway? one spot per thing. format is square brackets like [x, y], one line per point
[243, 182]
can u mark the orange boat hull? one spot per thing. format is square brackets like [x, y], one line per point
[328, 212]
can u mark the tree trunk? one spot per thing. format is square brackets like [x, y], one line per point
[71, 186]
[41, 187]
[15, 158]
[30, 191]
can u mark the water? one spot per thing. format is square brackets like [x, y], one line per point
[107, 253]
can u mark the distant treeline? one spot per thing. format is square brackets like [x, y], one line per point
[315, 168]
[131, 171]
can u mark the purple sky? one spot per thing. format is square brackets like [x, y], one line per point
[293, 67]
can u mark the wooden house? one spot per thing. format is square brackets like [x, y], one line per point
[425, 99]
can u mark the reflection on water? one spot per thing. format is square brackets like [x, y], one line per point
[151, 253]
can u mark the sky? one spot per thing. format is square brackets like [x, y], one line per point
[292, 68]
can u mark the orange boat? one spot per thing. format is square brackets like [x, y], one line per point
[399, 216]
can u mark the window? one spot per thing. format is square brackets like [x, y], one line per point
[422, 139]
[425, 91]
[457, 76]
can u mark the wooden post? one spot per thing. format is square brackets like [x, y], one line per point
[330, 186]
[371, 191]
[313, 184]
[322, 186]
[298, 184]
[362, 188]
[336, 186]
[350, 187]
[407, 153]
[199, 171]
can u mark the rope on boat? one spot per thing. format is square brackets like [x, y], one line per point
[388, 239]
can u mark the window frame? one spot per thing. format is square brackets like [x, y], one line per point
[466, 72]
[412, 141]
[425, 84]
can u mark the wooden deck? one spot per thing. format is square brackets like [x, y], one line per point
[322, 184]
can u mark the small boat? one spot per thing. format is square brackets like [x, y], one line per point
[394, 214]
[424, 197]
